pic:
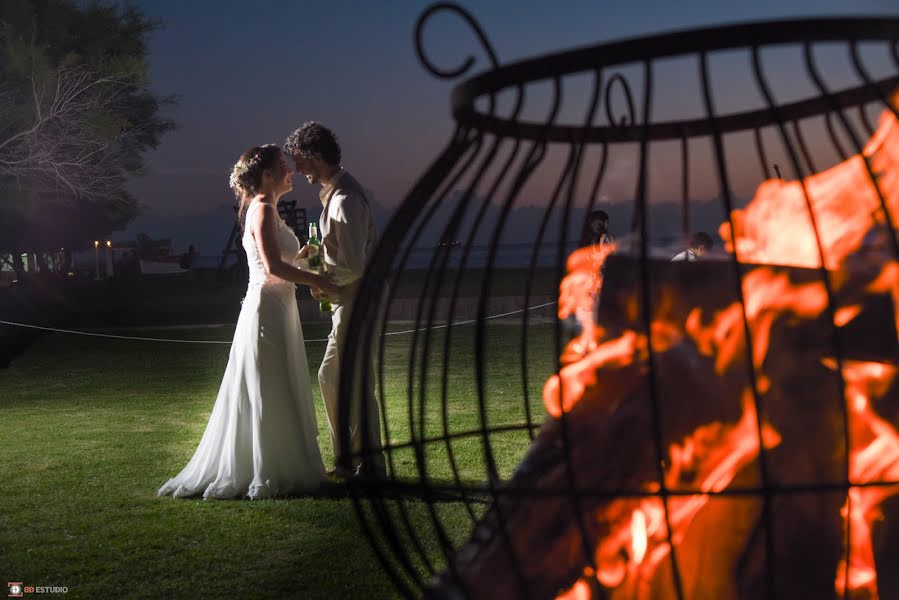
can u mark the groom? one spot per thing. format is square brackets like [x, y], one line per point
[348, 239]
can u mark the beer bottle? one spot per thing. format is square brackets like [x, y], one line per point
[315, 261]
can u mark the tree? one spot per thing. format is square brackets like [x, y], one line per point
[76, 117]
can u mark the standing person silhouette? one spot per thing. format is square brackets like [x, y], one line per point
[700, 243]
[596, 229]
[348, 239]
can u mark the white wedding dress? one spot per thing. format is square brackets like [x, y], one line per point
[262, 437]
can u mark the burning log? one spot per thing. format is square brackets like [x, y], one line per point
[605, 450]
[707, 287]
[618, 402]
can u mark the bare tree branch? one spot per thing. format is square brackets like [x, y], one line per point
[64, 144]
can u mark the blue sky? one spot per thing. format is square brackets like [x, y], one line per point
[248, 73]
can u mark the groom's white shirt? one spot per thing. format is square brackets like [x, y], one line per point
[348, 241]
[347, 229]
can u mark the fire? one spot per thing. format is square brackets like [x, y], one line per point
[707, 460]
[579, 591]
[639, 540]
[577, 296]
[768, 295]
[873, 456]
[561, 392]
[774, 229]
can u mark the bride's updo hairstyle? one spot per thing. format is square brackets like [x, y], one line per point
[246, 176]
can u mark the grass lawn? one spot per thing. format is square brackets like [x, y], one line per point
[92, 427]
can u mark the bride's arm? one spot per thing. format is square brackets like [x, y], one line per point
[265, 232]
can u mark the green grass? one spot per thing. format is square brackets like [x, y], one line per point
[92, 428]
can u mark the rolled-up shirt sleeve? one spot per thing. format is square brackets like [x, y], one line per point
[349, 220]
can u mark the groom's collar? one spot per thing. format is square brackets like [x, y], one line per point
[325, 194]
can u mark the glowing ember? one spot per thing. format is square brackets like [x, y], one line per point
[579, 591]
[639, 541]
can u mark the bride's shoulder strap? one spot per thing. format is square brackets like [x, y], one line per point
[253, 206]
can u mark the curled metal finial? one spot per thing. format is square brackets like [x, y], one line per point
[450, 73]
[617, 77]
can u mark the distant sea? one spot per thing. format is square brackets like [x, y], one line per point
[508, 256]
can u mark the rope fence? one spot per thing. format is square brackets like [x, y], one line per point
[178, 341]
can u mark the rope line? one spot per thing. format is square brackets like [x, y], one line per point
[177, 341]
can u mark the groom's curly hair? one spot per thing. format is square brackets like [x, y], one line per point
[313, 139]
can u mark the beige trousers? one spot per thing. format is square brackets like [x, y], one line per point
[329, 379]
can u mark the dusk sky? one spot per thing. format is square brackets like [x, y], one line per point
[248, 73]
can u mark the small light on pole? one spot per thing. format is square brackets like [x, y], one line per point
[109, 266]
[97, 259]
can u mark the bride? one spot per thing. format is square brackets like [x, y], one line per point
[261, 439]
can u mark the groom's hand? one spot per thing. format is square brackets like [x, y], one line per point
[332, 292]
[329, 290]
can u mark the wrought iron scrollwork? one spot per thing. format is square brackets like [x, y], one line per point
[470, 60]
[466, 201]
[625, 120]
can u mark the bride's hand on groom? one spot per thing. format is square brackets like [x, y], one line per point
[326, 289]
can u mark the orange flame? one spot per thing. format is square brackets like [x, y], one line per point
[639, 540]
[775, 228]
[577, 296]
[873, 456]
[767, 295]
[561, 392]
[579, 591]
[707, 460]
